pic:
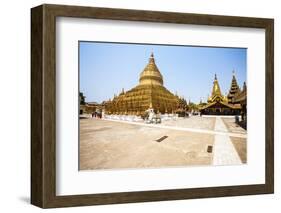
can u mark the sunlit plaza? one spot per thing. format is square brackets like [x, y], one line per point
[175, 142]
[187, 114]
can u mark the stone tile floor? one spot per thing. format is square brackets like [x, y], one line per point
[112, 145]
[106, 144]
[232, 126]
[195, 122]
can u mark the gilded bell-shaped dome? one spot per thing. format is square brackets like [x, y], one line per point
[151, 74]
[150, 94]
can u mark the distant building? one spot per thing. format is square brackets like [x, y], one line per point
[91, 107]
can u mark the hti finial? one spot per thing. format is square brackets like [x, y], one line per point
[151, 59]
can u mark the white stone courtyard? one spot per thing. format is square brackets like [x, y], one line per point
[129, 142]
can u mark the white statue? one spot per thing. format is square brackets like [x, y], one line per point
[152, 117]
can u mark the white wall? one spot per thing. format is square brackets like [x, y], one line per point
[15, 104]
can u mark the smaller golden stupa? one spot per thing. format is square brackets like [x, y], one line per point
[149, 93]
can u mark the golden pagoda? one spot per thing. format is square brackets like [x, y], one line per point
[216, 93]
[149, 93]
[219, 104]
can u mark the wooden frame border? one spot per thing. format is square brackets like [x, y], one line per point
[43, 105]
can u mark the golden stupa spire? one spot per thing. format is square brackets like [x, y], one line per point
[216, 88]
[151, 74]
[152, 55]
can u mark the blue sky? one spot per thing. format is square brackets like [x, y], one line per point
[106, 68]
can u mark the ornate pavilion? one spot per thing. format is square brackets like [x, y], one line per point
[149, 93]
[232, 104]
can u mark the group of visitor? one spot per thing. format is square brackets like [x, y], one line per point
[96, 115]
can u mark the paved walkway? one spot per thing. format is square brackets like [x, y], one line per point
[218, 131]
[224, 151]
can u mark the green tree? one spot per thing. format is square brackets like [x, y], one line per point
[81, 98]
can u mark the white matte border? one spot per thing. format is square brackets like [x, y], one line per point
[70, 181]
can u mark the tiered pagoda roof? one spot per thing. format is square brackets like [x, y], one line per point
[234, 89]
[241, 97]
